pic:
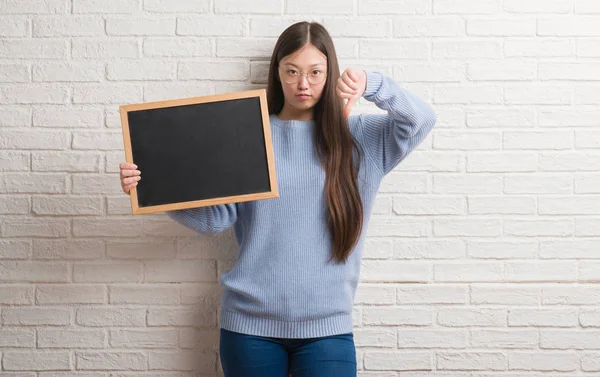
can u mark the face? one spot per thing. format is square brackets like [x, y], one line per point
[300, 97]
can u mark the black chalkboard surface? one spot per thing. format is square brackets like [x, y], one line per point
[200, 151]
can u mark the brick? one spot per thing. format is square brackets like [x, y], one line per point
[468, 94]
[587, 139]
[180, 89]
[589, 271]
[537, 184]
[375, 337]
[105, 6]
[240, 6]
[381, 227]
[111, 360]
[432, 338]
[567, 205]
[97, 140]
[467, 227]
[420, 294]
[569, 161]
[444, 205]
[140, 70]
[176, 271]
[35, 139]
[471, 272]
[538, 48]
[542, 317]
[547, 271]
[145, 294]
[375, 48]
[506, 70]
[177, 47]
[471, 361]
[268, 26]
[197, 316]
[140, 26]
[14, 73]
[538, 228]
[73, 206]
[538, 94]
[34, 49]
[501, 27]
[538, 6]
[475, 49]
[108, 94]
[33, 316]
[590, 362]
[589, 317]
[140, 250]
[63, 338]
[68, 72]
[108, 272]
[245, 47]
[386, 316]
[76, 162]
[466, 6]
[14, 294]
[358, 28]
[184, 360]
[570, 294]
[367, 294]
[505, 294]
[36, 360]
[374, 7]
[463, 317]
[76, 26]
[17, 338]
[400, 361]
[199, 339]
[56, 117]
[429, 249]
[167, 6]
[15, 116]
[32, 183]
[543, 361]
[90, 48]
[491, 205]
[14, 206]
[213, 71]
[338, 7]
[36, 227]
[502, 162]
[404, 183]
[29, 271]
[575, 26]
[395, 271]
[106, 228]
[439, 26]
[144, 338]
[460, 184]
[504, 118]
[15, 249]
[424, 161]
[467, 140]
[588, 48]
[538, 140]
[34, 94]
[214, 25]
[34, 6]
[569, 71]
[518, 249]
[587, 184]
[110, 317]
[70, 294]
[68, 249]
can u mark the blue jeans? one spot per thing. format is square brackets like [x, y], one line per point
[255, 356]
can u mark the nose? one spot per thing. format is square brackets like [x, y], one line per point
[303, 82]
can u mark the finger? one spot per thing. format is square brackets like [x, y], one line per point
[130, 173]
[350, 82]
[128, 188]
[345, 88]
[127, 165]
[349, 106]
[344, 95]
[130, 180]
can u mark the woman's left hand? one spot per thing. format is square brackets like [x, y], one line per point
[351, 85]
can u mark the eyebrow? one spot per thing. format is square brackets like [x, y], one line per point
[311, 65]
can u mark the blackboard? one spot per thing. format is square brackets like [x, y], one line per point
[200, 151]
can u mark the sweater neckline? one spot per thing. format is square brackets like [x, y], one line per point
[304, 124]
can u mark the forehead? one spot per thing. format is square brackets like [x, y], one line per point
[307, 56]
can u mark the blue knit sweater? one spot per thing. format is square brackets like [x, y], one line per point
[282, 284]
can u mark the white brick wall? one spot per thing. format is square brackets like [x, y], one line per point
[482, 257]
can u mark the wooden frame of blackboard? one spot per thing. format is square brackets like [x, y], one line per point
[260, 94]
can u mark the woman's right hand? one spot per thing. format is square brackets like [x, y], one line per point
[129, 176]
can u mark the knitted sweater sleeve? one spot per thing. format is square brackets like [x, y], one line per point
[389, 138]
[206, 220]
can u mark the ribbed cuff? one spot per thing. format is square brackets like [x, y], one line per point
[245, 324]
[374, 80]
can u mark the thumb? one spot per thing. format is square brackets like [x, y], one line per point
[349, 105]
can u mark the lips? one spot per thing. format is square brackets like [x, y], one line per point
[302, 95]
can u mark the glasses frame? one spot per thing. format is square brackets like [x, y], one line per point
[303, 74]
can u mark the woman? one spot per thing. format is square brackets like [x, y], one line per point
[287, 302]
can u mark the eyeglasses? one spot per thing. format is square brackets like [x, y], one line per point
[314, 77]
